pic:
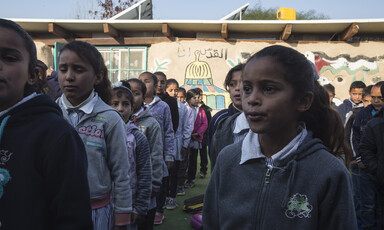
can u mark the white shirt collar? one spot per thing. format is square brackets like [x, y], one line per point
[87, 108]
[251, 149]
[241, 123]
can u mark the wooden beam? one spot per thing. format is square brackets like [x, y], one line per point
[109, 41]
[349, 32]
[58, 31]
[110, 30]
[166, 30]
[286, 32]
[224, 30]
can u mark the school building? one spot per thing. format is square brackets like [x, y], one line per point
[199, 53]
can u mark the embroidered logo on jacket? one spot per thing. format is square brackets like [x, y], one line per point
[142, 129]
[298, 206]
[4, 156]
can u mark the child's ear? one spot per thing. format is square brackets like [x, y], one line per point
[99, 78]
[32, 77]
[305, 102]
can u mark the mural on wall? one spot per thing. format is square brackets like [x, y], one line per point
[198, 74]
[161, 65]
[344, 62]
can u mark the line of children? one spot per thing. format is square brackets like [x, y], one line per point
[161, 112]
[369, 210]
[140, 170]
[147, 124]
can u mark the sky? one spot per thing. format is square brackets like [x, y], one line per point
[192, 9]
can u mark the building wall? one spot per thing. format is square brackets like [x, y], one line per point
[338, 63]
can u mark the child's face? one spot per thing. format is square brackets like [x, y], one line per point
[76, 77]
[149, 83]
[367, 100]
[268, 99]
[331, 96]
[161, 84]
[377, 100]
[200, 98]
[14, 62]
[138, 98]
[172, 90]
[194, 101]
[356, 95]
[181, 96]
[235, 89]
[123, 106]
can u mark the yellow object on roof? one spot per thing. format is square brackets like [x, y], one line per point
[286, 14]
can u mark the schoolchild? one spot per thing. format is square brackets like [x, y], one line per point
[87, 92]
[354, 100]
[161, 112]
[164, 96]
[371, 149]
[232, 85]
[181, 94]
[331, 92]
[147, 124]
[43, 163]
[199, 127]
[183, 137]
[276, 177]
[140, 170]
[369, 211]
[204, 144]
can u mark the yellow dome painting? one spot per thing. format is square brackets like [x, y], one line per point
[198, 74]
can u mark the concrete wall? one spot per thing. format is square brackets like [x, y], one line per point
[338, 63]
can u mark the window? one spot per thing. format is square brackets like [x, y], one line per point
[124, 62]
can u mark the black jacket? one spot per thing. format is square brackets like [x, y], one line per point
[372, 147]
[359, 124]
[172, 103]
[222, 137]
[47, 164]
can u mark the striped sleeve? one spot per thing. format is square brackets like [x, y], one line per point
[144, 174]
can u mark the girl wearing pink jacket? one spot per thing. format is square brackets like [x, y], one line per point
[200, 125]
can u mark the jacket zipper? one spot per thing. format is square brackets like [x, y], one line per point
[260, 210]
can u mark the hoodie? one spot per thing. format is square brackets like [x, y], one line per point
[46, 164]
[148, 125]
[103, 134]
[346, 107]
[308, 189]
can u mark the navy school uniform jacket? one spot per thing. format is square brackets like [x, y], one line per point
[371, 147]
[47, 165]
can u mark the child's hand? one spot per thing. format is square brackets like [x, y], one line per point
[137, 218]
[169, 164]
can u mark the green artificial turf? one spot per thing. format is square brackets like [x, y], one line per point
[177, 219]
